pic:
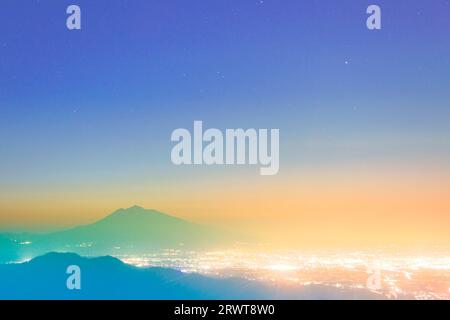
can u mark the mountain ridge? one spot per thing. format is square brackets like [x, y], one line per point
[132, 230]
[45, 277]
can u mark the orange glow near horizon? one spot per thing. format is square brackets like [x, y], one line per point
[309, 210]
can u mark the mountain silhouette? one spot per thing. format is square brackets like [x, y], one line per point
[45, 277]
[126, 231]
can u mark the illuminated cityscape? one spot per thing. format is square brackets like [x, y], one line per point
[400, 276]
[224, 150]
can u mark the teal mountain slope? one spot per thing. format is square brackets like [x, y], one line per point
[108, 278]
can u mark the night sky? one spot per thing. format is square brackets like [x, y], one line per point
[86, 115]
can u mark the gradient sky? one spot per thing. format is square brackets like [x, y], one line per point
[86, 116]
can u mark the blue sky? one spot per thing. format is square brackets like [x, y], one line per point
[83, 105]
